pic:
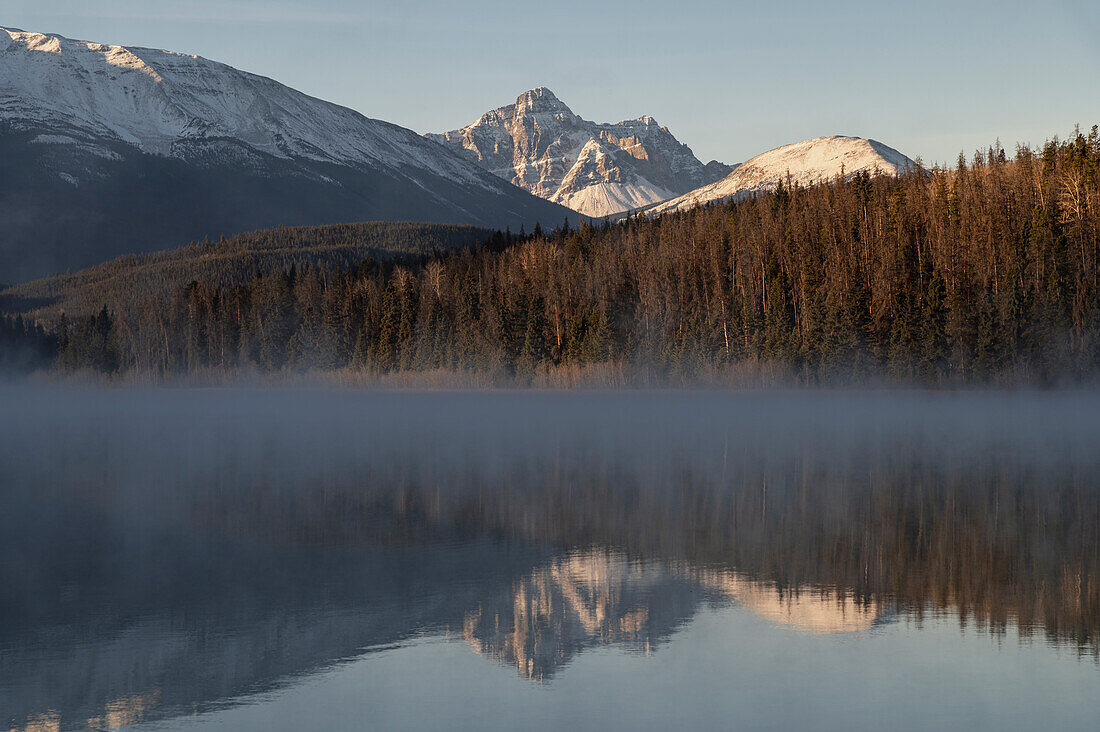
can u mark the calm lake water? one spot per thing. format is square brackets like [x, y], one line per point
[322, 559]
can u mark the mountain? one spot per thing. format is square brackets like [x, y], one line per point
[595, 169]
[112, 149]
[805, 163]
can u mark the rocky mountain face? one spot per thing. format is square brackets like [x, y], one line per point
[803, 163]
[540, 145]
[111, 149]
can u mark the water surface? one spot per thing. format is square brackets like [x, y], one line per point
[332, 559]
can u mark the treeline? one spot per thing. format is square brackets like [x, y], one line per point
[985, 272]
[120, 282]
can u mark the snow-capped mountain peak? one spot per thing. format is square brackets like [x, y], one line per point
[803, 163]
[541, 100]
[539, 144]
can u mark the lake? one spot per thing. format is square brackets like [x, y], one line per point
[328, 559]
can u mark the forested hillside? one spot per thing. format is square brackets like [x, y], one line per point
[985, 272]
[122, 282]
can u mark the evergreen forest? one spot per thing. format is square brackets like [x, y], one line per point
[984, 272]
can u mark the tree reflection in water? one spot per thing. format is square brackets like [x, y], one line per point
[167, 557]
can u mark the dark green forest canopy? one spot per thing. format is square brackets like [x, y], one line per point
[124, 280]
[984, 272]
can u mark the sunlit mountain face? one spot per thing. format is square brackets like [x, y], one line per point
[179, 556]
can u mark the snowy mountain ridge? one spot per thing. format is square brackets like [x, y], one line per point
[803, 163]
[114, 150]
[160, 100]
[597, 169]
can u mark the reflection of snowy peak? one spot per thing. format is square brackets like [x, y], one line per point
[594, 598]
[803, 163]
[114, 149]
[577, 602]
[596, 169]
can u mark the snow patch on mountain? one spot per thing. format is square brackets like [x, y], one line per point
[803, 163]
[612, 197]
[84, 145]
[597, 183]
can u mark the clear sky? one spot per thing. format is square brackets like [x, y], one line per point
[730, 79]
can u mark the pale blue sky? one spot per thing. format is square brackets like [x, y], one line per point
[730, 79]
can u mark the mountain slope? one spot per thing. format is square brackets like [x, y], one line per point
[114, 149]
[539, 144]
[804, 163]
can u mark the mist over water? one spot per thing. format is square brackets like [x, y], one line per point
[225, 557]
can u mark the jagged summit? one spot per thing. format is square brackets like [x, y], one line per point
[804, 163]
[539, 144]
[541, 99]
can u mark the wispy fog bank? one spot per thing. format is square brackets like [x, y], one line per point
[201, 543]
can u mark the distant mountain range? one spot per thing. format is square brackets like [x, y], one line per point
[110, 150]
[539, 144]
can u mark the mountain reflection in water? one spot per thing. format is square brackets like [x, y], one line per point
[171, 553]
[591, 598]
